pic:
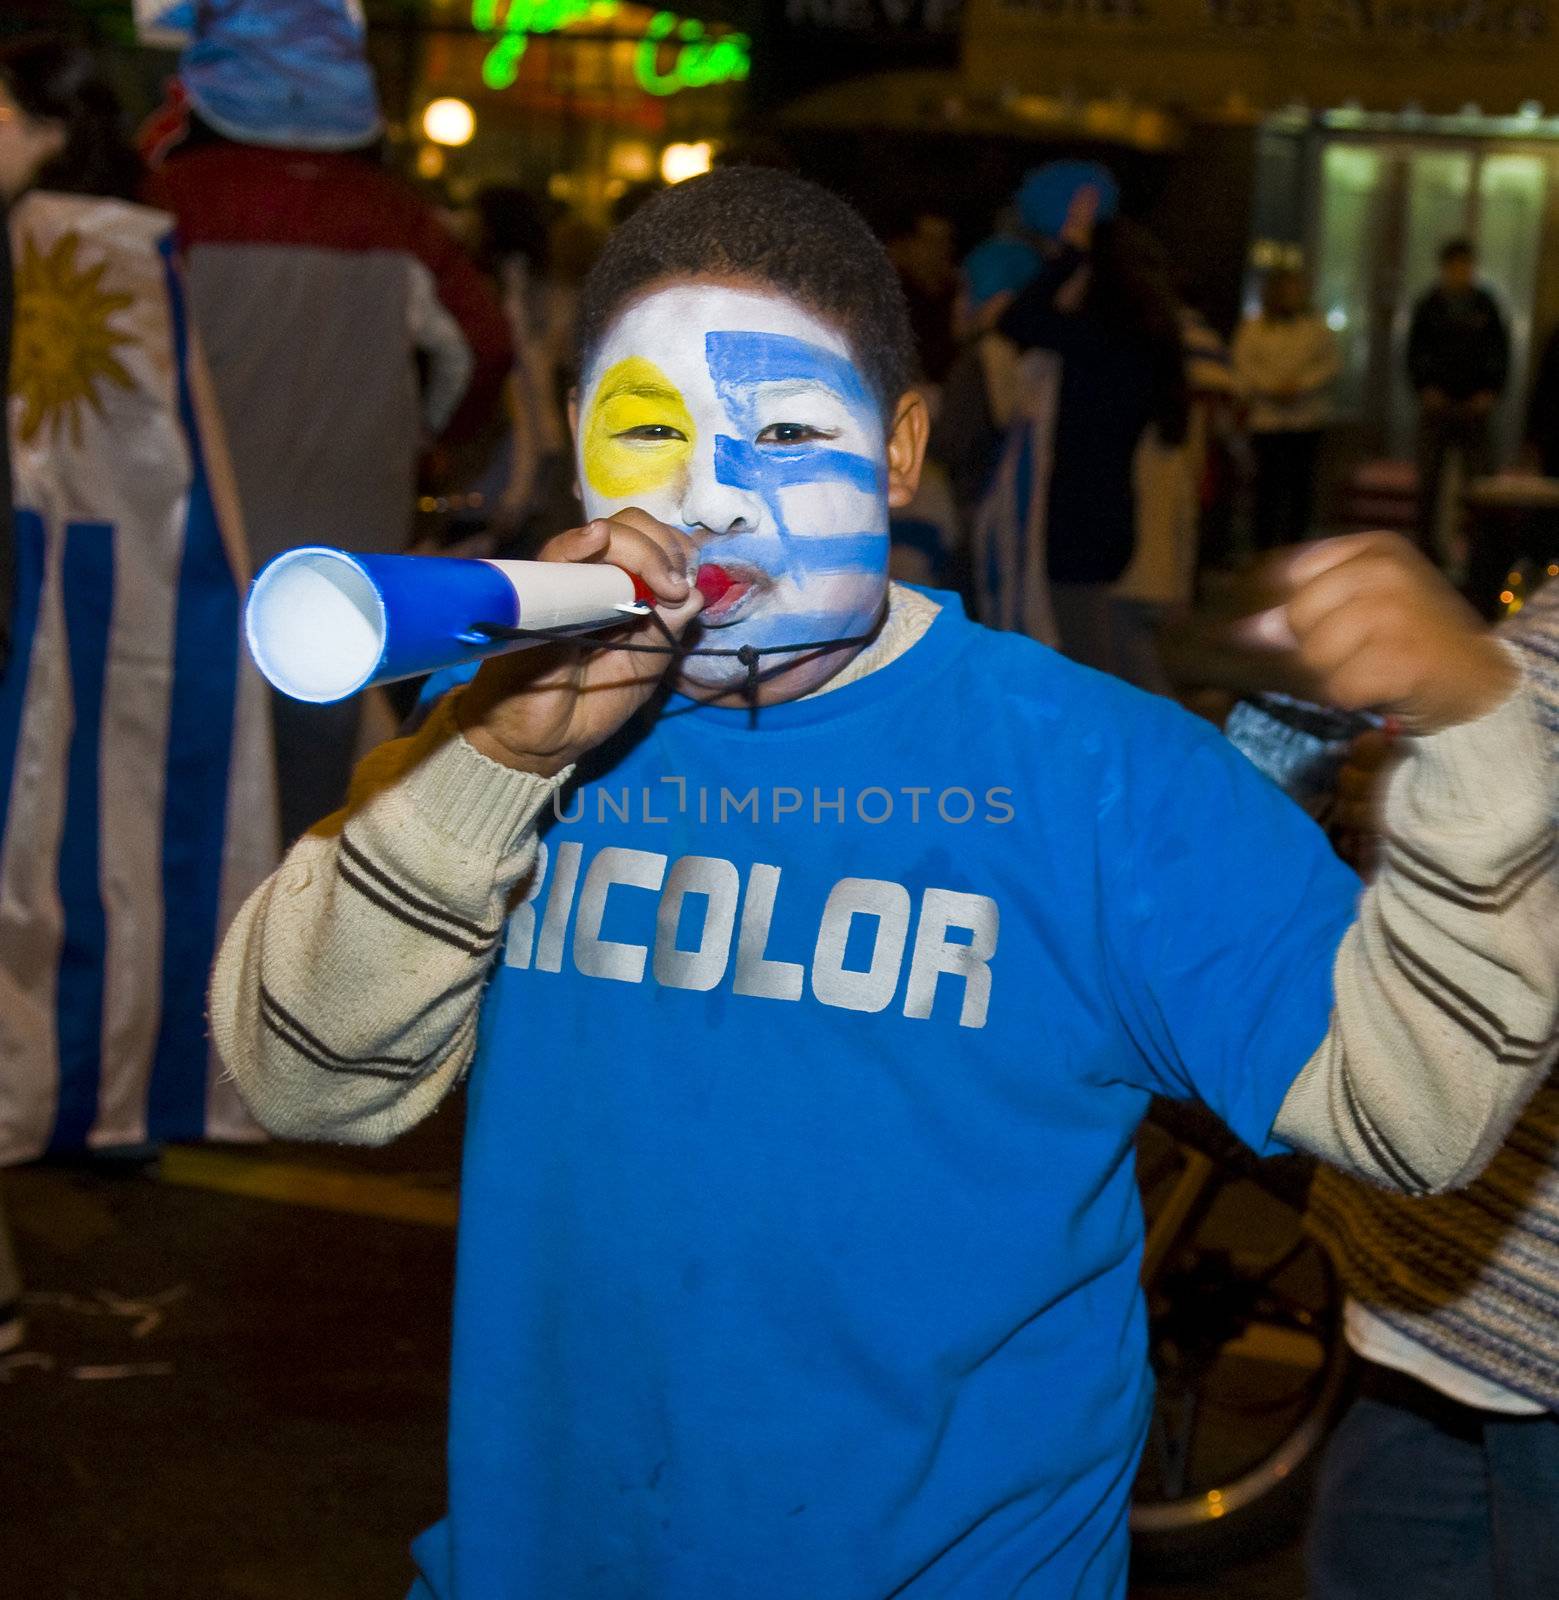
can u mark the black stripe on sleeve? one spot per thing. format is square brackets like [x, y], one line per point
[279, 1028]
[313, 1040]
[1469, 1014]
[421, 924]
[415, 902]
[1386, 1158]
[1471, 896]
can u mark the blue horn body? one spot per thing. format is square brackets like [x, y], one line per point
[323, 624]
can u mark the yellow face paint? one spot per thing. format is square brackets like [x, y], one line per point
[639, 434]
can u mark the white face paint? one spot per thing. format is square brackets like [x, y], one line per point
[744, 420]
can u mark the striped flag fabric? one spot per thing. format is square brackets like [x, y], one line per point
[137, 793]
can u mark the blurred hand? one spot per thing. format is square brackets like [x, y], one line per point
[1481, 404]
[1378, 628]
[1432, 399]
[540, 709]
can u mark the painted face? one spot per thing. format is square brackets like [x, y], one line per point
[744, 420]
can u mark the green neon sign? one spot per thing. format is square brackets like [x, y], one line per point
[691, 59]
[698, 61]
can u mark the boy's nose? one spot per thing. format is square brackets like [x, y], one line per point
[719, 498]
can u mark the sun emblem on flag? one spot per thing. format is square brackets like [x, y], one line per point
[64, 341]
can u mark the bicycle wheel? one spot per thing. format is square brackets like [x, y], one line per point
[1245, 1339]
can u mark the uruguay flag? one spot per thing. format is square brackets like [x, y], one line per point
[137, 797]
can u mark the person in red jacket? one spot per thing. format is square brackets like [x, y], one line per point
[345, 330]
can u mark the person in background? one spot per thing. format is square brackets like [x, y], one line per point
[1103, 315]
[12, 1328]
[1285, 362]
[136, 786]
[1159, 584]
[345, 329]
[528, 482]
[995, 418]
[923, 254]
[1215, 414]
[1458, 360]
[1442, 1482]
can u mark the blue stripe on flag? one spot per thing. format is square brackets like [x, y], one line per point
[24, 621]
[89, 609]
[200, 740]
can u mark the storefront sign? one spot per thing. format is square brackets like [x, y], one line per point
[1247, 56]
[875, 16]
[674, 53]
[1492, 20]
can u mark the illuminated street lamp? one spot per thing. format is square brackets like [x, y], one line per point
[449, 122]
[678, 162]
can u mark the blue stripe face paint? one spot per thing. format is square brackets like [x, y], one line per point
[740, 363]
[747, 466]
[771, 454]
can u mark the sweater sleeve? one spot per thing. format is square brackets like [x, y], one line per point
[345, 996]
[1446, 988]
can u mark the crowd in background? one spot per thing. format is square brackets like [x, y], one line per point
[1105, 445]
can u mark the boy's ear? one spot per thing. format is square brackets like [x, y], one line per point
[907, 447]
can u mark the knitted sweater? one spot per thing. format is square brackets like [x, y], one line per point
[1472, 1276]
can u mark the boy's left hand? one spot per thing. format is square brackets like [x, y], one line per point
[1379, 629]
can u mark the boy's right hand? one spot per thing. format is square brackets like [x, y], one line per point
[540, 709]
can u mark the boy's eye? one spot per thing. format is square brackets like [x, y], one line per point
[651, 432]
[791, 433]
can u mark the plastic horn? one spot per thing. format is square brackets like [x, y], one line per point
[324, 623]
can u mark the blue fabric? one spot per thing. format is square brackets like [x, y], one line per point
[202, 704]
[24, 622]
[1046, 193]
[1409, 1508]
[998, 266]
[88, 571]
[799, 1234]
[287, 73]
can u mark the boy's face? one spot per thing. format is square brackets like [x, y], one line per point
[741, 418]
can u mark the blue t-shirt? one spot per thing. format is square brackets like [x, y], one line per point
[799, 1235]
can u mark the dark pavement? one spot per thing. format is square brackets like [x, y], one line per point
[225, 1396]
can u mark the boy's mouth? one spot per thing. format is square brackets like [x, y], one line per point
[728, 591]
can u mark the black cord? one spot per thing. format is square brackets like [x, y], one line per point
[496, 631]
[749, 655]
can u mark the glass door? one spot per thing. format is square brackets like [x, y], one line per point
[1384, 209]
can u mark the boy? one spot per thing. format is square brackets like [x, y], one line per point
[799, 1234]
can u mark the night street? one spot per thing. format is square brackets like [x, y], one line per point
[248, 1392]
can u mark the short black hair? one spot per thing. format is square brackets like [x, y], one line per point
[1456, 250]
[777, 230]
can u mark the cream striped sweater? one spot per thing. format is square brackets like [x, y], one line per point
[1472, 1276]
